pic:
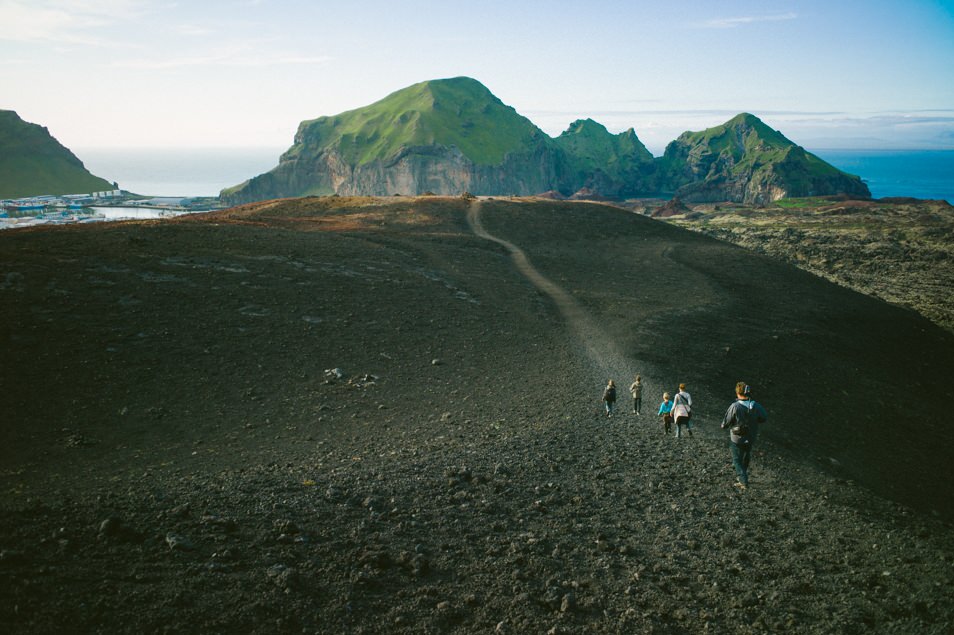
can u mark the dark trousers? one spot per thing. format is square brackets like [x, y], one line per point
[741, 455]
[637, 403]
[680, 422]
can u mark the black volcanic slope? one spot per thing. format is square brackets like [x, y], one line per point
[176, 457]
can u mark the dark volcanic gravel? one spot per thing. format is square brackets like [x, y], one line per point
[359, 416]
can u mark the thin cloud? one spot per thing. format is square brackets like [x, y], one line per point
[731, 23]
[904, 118]
[62, 21]
[709, 112]
[192, 30]
[223, 60]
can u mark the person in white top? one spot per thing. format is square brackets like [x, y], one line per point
[682, 411]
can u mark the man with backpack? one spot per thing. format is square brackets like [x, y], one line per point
[743, 419]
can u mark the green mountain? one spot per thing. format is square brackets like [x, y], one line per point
[457, 112]
[449, 136]
[614, 165]
[33, 163]
[746, 161]
[445, 136]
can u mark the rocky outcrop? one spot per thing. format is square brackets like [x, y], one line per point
[745, 161]
[673, 207]
[614, 166]
[436, 169]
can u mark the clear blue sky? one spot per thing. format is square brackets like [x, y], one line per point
[151, 73]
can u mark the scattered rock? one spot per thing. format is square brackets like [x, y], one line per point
[179, 543]
[334, 374]
[568, 603]
[286, 578]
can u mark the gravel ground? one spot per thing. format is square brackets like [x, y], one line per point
[382, 416]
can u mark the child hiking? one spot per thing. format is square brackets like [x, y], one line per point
[665, 411]
[609, 397]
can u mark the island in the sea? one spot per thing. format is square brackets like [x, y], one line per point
[453, 135]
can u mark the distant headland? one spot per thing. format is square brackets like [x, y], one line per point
[453, 135]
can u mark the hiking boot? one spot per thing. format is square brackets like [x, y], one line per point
[742, 487]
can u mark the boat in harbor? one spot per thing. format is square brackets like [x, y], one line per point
[26, 205]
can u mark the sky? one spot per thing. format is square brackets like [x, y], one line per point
[245, 73]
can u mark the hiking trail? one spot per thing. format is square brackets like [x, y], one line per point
[601, 350]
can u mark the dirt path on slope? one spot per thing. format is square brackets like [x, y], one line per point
[602, 352]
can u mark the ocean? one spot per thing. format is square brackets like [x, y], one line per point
[205, 172]
[915, 173]
[185, 172]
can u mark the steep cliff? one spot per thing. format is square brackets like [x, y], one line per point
[745, 161]
[444, 136]
[33, 163]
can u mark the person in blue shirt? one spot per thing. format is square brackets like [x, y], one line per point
[665, 411]
[743, 419]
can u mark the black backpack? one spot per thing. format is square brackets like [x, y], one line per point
[743, 417]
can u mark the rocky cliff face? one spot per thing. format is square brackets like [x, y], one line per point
[451, 136]
[445, 136]
[745, 161]
[438, 169]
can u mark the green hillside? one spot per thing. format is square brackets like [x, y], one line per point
[592, 146]
[751, 162]
[590, 150]
[746, 144]
[32, 162]
[458, 112]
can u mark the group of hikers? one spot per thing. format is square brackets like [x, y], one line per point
[742, 419]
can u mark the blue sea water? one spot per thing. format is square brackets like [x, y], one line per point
[205, 172]
[916, 173]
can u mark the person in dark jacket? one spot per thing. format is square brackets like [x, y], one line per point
[609, 397]
[743, 419]
[636, 389]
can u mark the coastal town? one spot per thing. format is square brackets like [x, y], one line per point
[95, 207]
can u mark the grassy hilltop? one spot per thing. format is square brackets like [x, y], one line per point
[457, 112]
